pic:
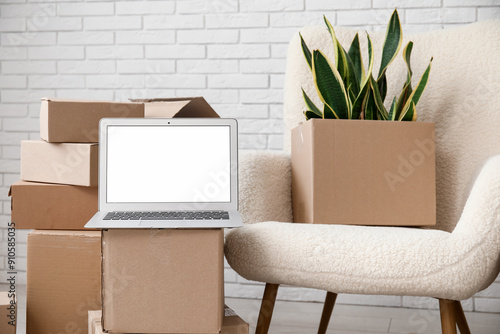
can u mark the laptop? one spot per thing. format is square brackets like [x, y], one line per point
[167, 173]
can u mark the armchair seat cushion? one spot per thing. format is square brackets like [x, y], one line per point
[359, 259]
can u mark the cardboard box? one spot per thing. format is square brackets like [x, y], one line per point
[177, 107]
[8, 312]
[232, 323]
[77, 121]
[363, 172]
[49, 206]
[63, 280]
[162, 280]
[64, 163]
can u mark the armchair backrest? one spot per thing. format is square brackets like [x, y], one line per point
[462, 98]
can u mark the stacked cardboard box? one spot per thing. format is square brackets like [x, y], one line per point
[63, 280]
[8, 313]
[175, 279]
[232, 323]
[58, 195]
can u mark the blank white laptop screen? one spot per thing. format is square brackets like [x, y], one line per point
[168, 164]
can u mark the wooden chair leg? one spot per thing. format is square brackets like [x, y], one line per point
[448, 322]
[266, 308]
[327, 311]
[460, 318]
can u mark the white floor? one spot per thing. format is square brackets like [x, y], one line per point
[303, 318]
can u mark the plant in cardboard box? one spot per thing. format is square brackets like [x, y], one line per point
[348, 92]
[370, 172]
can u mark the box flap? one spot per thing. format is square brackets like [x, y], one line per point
[66, 233]
[164, 109]
[165, 99]
[56, 99]
[177, 107]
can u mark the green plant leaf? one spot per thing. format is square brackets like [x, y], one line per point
[309, 114]
[352, 95]
[392, 111]
[306, 51]
[351, 77]
[407, 89]
[403, 97]
[417, 92]
[342, 65]
[360, 102]
[330, 86]
[370, 110]
[406, 56]
[382, 87]
[311, 106]
[340, 58]
[371, 58]
[411, 113]
[377, 99]
[334, 40]
[357, 60]
[392, 43]
[328, 112]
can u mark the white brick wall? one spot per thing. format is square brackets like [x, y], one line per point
[230, 51]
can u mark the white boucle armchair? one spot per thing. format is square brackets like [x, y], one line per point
[452, 261]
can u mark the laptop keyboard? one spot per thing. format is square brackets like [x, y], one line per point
[167, 215]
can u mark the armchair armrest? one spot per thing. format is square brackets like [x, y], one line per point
[478, 229]
[265, 192]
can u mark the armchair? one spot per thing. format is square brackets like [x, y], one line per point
[452, 261]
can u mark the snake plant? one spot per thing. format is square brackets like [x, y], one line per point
[349, 92]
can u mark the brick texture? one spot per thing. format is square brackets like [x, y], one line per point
[230, 51]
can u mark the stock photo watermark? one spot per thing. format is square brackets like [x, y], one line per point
[11, 273]
[407, 165]
[35, 23]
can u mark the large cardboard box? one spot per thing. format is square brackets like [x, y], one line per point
[232, 323]
[177, 107]
[64, 163]
[363, 172]
[162, 280]
[48, 206]
[77, 121]
[8, 312]
[63, 280]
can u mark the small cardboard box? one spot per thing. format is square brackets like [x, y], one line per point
[177, 107]
[77, 121]
[364, 173]
[64, 163]
[48, 206]
[63, 280]
[162, 280]
[8, 312]
[232, 323]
